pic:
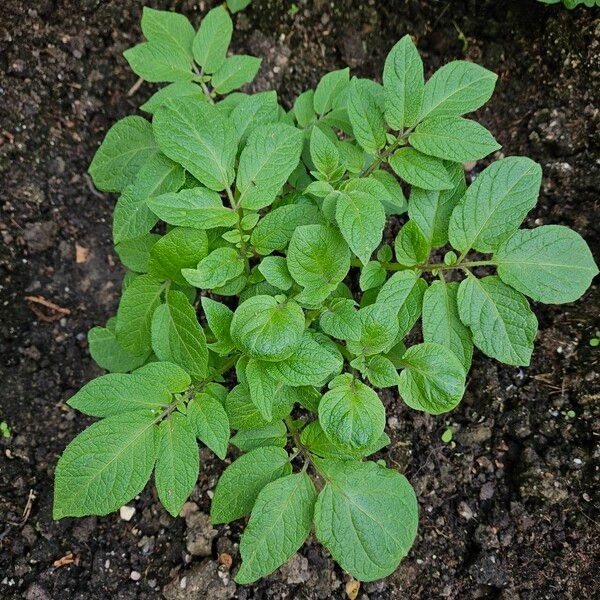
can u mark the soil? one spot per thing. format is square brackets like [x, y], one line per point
[509, 509]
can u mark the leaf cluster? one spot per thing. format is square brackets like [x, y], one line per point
[254, 241]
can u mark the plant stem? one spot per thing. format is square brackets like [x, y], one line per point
[394, 266]
[303, 450]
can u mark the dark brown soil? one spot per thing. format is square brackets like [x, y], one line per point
[509, 509]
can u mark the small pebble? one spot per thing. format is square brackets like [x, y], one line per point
[126, 512]
[135, 575]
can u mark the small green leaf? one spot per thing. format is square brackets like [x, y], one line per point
[272, 434]
[420, 170]
[267, 329]
[279, 524]
[177, 462]
[235, 72]
[212, 40]
[128, 145]
[495, 204]
[381, 372]
[219, 318]
[105, 466]
[109, 354]
[177, 336]
[411, 245]
[403, 83]
[433, 379]
[158, 62]
[318, 256]
[271, 154]
[365, 110]
[550, 264]
[275, 271]
[323, 151]
[196, 207]
[261, 386]
[378, 330]
[304, 110]
[209, 422]
[366, 516]
[219, 267]
[453, 138]
[352, 414]
[341, 320]
[179, 89]
[242, 481]
[372, 275]
[457, 88]
[499, 317]
[390, 192]
[330, 89]
[179, 249]
[237, 5]
[200, 138]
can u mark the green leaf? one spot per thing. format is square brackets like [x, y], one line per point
[235, 72]
[116, 393]
[237, 5]
[210, 422]
[495, 204]
[267, 329]
[105, 466]
[403, 82]
[279, 524]
[275, 229]
[500, 319]
[177, 462]
[453, 138]
[134, 317]
[365, 110]
[442, 324]
[361, 219]
[272, 434]
[213, 38]
[179, 89]
[177, 336]
[352, 414]
[304, 109]
[156, 62]
[457, 88]
[381, 372]
[271, 154]
[254, 111]
[372, 275]
[132, 217]
[219, 267]
[550, 264]
[420, 170]
[196, 207]
[378, 330]
[179, 249]
[366, 516]
[109, 354]
[200, 138]
[390, 195]
[314, 439]
[411, 245]
[170, 29]
[318, 256]
[166, 376]
[323, 151]
[135, 253]
[275, 271]
[127, 147]
[433, 379]
[341, 320]
[242, 481]
[219, 318]
[261, 386]
[243, 413]
[310, 364]
[431, 209]
[330, 89]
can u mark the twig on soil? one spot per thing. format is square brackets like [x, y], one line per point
[135, 87]
[92, 188]
[27, 511]
[59, 311]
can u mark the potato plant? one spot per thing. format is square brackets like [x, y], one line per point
[260, 297]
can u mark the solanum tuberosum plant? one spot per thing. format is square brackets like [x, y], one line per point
[260, 298]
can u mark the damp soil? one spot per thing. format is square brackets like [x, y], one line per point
[509, 509]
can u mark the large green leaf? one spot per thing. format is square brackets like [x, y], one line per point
[235, 72]
[330, 89]
[177, 336]
[365, 110]
[177, 462]
[105, 466]
[499, 317]
[495, 204]
[212, 40]
[433, 378]
[199, 137]
[403, 83]
[266, 329]
[210, 422]
[366, 516]
[128, 145]
[351, 413]
[418, 169]
[271, 154]
[242, 481]
[550, 264]
[261, 386]
[279, 524]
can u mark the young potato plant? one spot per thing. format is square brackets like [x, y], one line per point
[253, 239]
[573, 3]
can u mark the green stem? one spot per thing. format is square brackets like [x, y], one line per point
[394, 266]
[303, 450]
